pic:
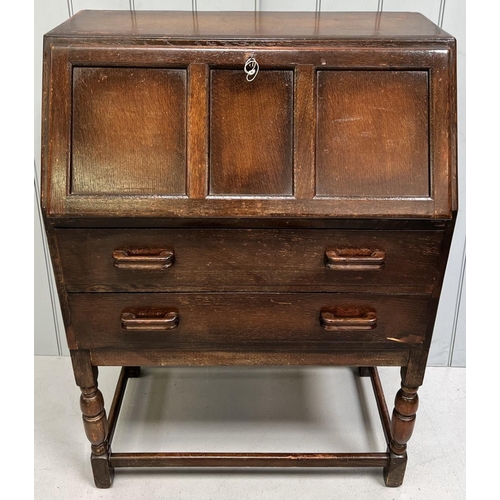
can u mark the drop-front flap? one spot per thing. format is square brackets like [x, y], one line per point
[364, 128]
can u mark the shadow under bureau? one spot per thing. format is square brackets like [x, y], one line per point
[239, 189]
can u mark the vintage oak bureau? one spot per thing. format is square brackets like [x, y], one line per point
[249, 189]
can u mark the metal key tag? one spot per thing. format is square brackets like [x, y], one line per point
[251, 69]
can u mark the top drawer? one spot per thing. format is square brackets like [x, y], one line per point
[239, 260]
[320, 131]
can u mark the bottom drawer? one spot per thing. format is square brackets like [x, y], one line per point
[258, 321]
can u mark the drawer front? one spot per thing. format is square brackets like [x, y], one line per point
[237, 260]
[287, 321]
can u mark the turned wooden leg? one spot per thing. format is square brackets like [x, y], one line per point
[94, 417]
[402, 424]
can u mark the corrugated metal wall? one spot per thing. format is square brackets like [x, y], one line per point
[448, 347]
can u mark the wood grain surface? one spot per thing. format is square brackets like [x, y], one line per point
[210, 259]
[129, 131]
[373, 134]
[229, 26]
[251, 133]
[214, 320]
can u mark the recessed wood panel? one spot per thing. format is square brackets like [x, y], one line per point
[251, 133]
[129, 131]
[372, 134]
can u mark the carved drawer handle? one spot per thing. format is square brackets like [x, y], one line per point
[144, 259]
[353, 320]
[149, 319]
[354, 259]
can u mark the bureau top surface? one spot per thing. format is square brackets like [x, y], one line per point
[227, 26]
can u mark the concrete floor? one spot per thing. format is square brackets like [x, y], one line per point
[309, 409]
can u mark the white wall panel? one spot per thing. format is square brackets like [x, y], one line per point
[99, 5]
[325, 5]
[429, 8]
[46, 341]
[292, 5]
[458, 355]
[349, 5]
[225, 4]
[161, 4]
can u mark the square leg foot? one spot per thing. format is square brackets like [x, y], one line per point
[394, 473]
[103, 472]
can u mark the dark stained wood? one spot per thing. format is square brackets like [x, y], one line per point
[453, 153]
[403, 417]
[444, 160]
[394, 472]
[380, 399]
[228, 319]
[350, 319]
[372, 134]
[60, 283]
[140, 319]
[102, 470]
[413, 373]
[208, 259]
[304, 130]
[94, 417]
[129, 131]
[143, 259]
[378, 55]
[84, 371]
[169, 357]
[156, 206]
[251, 133]
[56, 131]
[116, 403]
[355, 259]
[227, 26]
[402, 424]
[249, 459]
[250, 223]
[197, 219]
[432, 59]
[197, 182]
